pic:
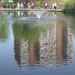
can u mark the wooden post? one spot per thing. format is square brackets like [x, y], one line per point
[60, 42]
[33, 53]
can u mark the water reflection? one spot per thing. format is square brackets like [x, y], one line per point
[3, 27]
[43, 42]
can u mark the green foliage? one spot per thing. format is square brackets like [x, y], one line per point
[27, 31]
[69, 5]
[3, 27]
[39, 3]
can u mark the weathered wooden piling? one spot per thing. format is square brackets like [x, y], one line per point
[33, 53]
[60, 42]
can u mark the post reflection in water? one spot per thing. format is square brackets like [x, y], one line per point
[49, 44]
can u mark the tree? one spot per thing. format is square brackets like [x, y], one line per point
[69, 4]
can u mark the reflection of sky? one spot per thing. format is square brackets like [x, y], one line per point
[6, 52]
[8, 66]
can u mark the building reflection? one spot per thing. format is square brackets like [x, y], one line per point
[53, 46]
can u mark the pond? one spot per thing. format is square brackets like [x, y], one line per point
[37, 42]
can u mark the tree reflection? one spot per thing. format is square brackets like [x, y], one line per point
[3, 27]
[49, 44]
[27, 42]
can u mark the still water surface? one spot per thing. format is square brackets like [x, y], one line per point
[28, 44]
